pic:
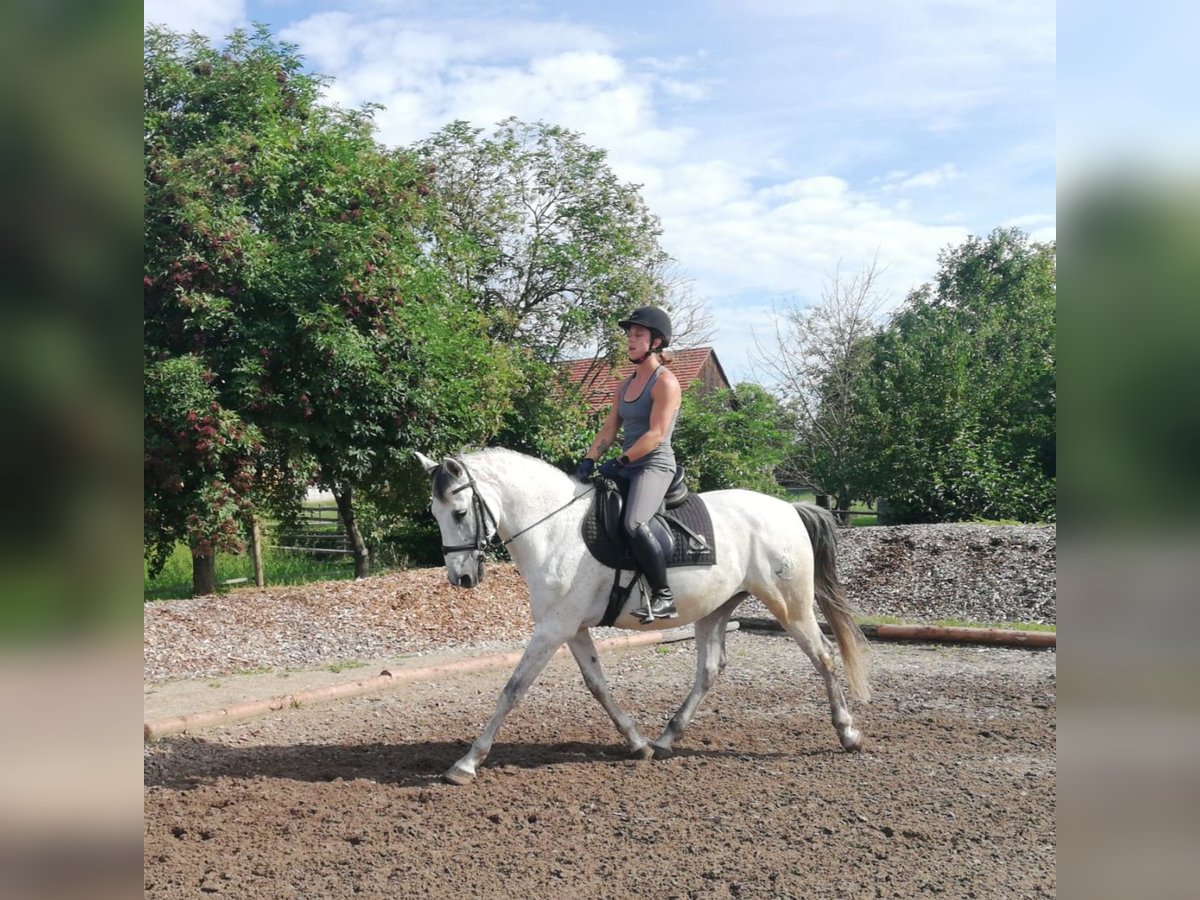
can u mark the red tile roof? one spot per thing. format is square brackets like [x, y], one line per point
[599, 382]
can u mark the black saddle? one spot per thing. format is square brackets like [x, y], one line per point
[682, 526]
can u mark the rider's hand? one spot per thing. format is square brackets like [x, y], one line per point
[610, 468]
[586, 467]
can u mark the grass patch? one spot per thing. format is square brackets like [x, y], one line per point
[880, 620]
[281, 567]
[859, 516]
[1014, 626]
[348, 664]
[957, 623]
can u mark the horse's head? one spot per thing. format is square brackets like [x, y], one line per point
[464, 517]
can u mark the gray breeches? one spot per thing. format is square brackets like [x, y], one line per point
[647, 488]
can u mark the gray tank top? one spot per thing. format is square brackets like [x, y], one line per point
[635, 421]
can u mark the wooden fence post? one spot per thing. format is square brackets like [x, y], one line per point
[256, 551]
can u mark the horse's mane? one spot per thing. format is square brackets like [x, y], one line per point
[493, 457]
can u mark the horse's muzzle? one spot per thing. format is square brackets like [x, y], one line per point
[467, 580]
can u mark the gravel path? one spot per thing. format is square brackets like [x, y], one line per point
[918, 573]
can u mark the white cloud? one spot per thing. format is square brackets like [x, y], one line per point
[767, 168]
[427, 75]
[728, 223]
[578, 70]
[904, 181]
[939, 63]
[213, 18]
[1039, 226]
[787, 238]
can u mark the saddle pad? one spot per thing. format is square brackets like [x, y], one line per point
[692, 513]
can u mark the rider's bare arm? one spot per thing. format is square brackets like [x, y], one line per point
[606, 435]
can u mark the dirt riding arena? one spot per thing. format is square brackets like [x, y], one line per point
[954, 793]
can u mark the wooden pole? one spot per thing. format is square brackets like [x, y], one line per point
[260, 577]
[385, 679]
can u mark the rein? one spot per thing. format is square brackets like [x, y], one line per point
[484, 536]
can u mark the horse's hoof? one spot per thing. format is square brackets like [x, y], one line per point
[661, 752]
[851, 740]
[455, 775]
[643, 752]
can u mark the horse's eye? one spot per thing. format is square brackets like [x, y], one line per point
[460, 514]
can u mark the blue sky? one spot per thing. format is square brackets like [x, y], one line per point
[775, 139]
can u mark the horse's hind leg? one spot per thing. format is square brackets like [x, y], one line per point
[710, 661]
[727, 610]
[807, 633]
[584, 651]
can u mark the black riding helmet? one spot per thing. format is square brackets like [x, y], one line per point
[653, 318]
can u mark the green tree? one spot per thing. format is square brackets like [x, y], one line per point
[733, 438]
[541, 235]
[816, 364]
[960, 411]
[549, 418]
[200, 460]
[285, 248]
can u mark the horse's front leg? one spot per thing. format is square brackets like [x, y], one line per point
[584, 651]
[710, 660]
[542, 646]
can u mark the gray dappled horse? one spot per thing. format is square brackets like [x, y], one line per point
[782, 553]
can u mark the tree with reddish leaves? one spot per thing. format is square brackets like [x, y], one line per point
[285, 261]
[200, 463]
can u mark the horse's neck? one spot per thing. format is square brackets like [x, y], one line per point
[528, 488]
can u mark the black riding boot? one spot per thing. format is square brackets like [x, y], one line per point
[649, 555]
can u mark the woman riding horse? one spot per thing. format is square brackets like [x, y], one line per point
[644, 410]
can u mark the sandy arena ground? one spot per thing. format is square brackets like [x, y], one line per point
[954, 793]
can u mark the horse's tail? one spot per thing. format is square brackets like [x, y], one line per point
[822, 531]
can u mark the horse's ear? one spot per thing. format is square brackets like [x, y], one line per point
[425, 461]
[451, 465]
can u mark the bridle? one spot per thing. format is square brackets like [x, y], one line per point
[485, 536]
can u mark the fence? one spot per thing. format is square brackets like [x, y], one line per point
[318, 531]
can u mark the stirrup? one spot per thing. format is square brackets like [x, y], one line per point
[648, 613]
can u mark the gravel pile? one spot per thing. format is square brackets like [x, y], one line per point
[924, 573]
[919, 573]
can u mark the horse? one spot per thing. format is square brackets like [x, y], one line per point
[784, 554]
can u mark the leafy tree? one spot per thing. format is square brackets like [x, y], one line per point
[549, 418]
[961, 407]
[199, 466]
[816, 363]
[732, 438]
[285, 249]
[553, 249]
[541, 234]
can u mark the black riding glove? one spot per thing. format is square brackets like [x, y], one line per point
[586, 467]
[611, 468]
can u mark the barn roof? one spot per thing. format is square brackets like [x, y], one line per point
[598, 381]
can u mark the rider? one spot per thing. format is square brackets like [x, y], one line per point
[644, 410]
